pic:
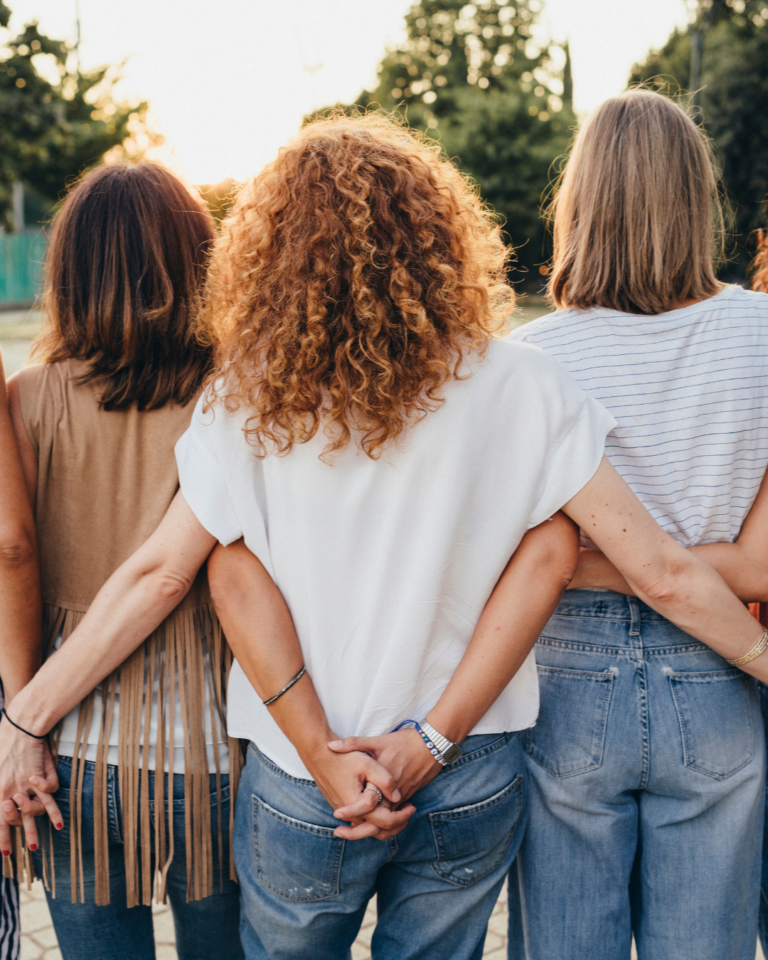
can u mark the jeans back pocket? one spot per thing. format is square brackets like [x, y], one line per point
[714, 709]
[569, 735]
[472, 841]
[297, 860]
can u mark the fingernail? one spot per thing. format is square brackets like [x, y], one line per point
[6, 853]
[335, 743]
[8, 807]
[33, 846]
[396, 795]
[59, 826]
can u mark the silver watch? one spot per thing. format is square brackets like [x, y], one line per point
[450, 752]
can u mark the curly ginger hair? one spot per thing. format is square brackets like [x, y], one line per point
[353, 275]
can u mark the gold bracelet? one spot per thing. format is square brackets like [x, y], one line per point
[755, 652]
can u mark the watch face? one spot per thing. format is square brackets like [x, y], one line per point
[452, 754]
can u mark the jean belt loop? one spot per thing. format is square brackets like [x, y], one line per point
[635, 616]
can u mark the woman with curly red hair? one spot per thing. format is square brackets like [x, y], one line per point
[375, 455]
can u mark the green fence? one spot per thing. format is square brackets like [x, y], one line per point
[21, 266]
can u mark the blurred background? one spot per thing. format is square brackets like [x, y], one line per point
[213, 90]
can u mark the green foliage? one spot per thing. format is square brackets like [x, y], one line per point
[471, 76]
[733, 95]
[55, 121]
[219, 197]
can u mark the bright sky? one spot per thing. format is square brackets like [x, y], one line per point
[230, 80]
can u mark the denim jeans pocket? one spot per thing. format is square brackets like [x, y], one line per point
[472, 841]
[716, 725]
[297, 860]
[569, 735]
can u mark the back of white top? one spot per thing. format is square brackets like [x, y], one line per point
[386, 565]
[689, 391]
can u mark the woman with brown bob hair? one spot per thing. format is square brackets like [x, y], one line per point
[647, 765]
[384, 469]
[144, 768]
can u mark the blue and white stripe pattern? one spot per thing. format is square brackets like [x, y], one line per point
[10, 933]
[689, 391]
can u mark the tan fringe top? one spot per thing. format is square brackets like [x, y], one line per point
[105, 480]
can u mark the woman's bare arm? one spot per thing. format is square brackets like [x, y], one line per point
[520, 605]
[743, 564]
[260, 631]
[514, 616]
[132, 603]
[20, 606]
[674, 581]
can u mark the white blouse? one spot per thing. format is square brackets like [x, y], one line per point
[386, 564]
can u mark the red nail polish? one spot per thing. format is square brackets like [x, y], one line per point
[59, 826]
[6, 853]
[33, 846]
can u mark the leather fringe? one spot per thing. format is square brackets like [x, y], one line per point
[189, 652]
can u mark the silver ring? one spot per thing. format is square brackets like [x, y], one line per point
[372, 786]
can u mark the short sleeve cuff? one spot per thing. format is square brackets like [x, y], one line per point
[204, 487]
[574, 460]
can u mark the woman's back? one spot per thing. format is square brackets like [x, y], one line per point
[688, 391]
[105, 478]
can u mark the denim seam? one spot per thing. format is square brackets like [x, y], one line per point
[513, 788]
[579, 647]
[645, 772]
[480, 753]
[460, 813]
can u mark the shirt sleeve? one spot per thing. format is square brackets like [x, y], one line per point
[203, 475]
[578, 425]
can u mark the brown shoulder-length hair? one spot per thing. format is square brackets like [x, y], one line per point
[351, 278]
[125, 268]
[636, 215]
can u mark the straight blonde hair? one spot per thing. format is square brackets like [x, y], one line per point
[637, 214]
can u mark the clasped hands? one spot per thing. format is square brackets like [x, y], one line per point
[398, 764]
[27, 781]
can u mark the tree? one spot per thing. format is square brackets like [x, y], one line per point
[472, 76]
[55, 120]
[733, 94]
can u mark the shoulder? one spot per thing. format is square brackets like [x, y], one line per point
[526, 375]
[552, 326]
[738, 296]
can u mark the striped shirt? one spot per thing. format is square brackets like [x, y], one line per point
[689, 391]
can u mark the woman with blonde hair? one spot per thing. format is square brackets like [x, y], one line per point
[143, 761]
[647, 762]
[375, 457]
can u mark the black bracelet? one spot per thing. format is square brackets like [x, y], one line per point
[33, 735]
[287, 687]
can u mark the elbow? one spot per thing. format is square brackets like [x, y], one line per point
[666, 587]
[17, 551]
[171, 587]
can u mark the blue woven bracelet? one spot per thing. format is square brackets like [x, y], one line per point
[430, 746]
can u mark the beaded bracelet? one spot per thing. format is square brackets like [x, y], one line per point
[430, 746]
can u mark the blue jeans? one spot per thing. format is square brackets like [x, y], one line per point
[764, 883]
[647, 783]
[205, 929]
[304, 891]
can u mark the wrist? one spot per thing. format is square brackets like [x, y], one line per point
[453, 728]
[30, 714]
